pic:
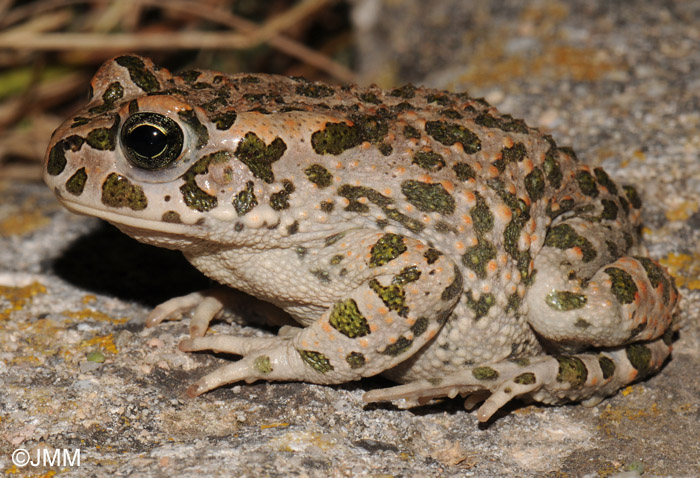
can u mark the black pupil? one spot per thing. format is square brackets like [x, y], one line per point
[147, 141]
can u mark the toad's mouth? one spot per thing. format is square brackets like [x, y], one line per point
[120, 220]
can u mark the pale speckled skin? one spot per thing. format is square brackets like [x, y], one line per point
[414, 233]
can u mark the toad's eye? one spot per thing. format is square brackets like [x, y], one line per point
[151, 141]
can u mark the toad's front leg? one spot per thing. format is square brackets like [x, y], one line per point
[402, 297]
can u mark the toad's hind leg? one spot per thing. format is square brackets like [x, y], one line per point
[402, 294]
[585, 295]
[547, 379]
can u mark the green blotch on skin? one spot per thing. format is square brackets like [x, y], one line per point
[411, 132]
[518, 206]
[514, 302]
[117, 191]
[104, 139]
[407, 274]
[454, 289]
[429, 160]
[314, 90]
[428, 197]
[293, 228]
[398, 347]
[534, 184]
[386, 249]
[563, 236]
[336, 138]
[420, 327]
[113, 93]
[432, 255]
[333, 238]
[250, 80]
[409, 223]
[464, 172]
[515, 153]
[245, 200]
[200, 131]
[564, 205]
[321, 275]
[656, 276]
[224, 121]
[258, 156]
[510, 244]
[582, 323]
[604, 180]
[353, 193]
[571, 370]
[552, 171]
[623, 286]
[450, 113]
[76, 183]
[393, 296]
[193, 196]
[337, 259]
[79, 121]
[441, 99]
[319, 175]
[639, 356]
[450, 133]
[668, 336]
[527, 378]
[96, 356]
[564, 300]
[505, 123]
[445, 227]
[143, 78]
[632, 196]
[262, 364]
[347, 319]
[406, 91]
[607, 366]
[609, 210]
[587, 184]
[355, 360]
[568, 151]
[612, 249]
[280, 199]
[481, 214]
[520, 362]
[485, 373]
[370, 98]
[301, 251]
[171, 217]
[477, 257]
[327, 206]
[316, 360]
[373, 128]
[190, 76]
[625, 204]
[481, 306]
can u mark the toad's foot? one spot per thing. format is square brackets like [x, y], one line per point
[209, 304]
[206, 305]
[546, 379]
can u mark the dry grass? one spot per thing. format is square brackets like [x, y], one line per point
[50, 48]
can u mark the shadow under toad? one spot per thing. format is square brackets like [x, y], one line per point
[109, 262]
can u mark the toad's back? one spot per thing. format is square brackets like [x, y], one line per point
[413, 232]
